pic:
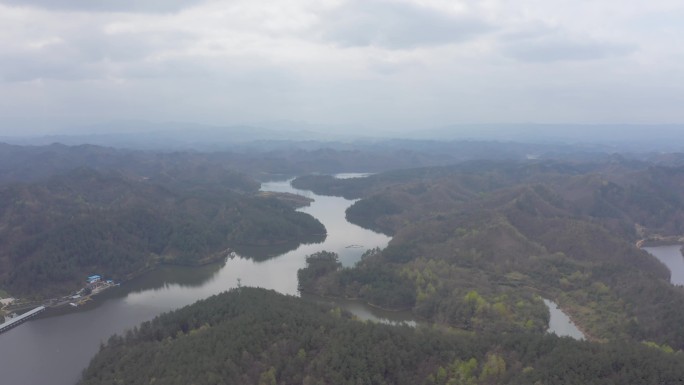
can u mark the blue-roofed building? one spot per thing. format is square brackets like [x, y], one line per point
[94, 278]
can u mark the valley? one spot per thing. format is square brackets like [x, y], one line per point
[480, 248]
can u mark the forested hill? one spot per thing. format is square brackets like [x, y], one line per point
[56, 232]
[473, 247]
[254, 336]
[615, 192]
[34, 163]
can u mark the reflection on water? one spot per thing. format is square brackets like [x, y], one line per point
[560, 324]
[160, 279]
[262, 253]
[54, 349]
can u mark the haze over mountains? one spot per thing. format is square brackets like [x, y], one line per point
[194, 136]
[480, 229]
[514, 155]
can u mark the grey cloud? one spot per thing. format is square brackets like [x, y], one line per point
[127, 47]
[146, 6]
[89, 55]
[550, 50]
[171, 69]
[397, 25]
[55, 61]
[26, 67]
[540, 43]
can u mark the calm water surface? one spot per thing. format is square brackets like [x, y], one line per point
[670, 256]
[54, 349]
[560, 324]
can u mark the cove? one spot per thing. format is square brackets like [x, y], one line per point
[670, 256]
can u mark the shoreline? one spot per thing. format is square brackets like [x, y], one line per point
[570, 312]
[61, 302]
[157, 261]
[664, 241]
[573, 318]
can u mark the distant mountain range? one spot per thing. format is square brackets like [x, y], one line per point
[203, 137]
[173, 135]
[619, 137]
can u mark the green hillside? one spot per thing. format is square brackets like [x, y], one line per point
[254, 336]
[55, 233]
[476, 244]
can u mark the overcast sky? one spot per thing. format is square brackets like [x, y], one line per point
[360, 63]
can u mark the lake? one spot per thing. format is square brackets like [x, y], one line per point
[55, 348]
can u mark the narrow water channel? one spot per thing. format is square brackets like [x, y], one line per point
[54, 349]
[669, 255]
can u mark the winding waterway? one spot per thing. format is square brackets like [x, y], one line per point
[55, 349]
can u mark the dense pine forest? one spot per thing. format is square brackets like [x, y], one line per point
[254, 336]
